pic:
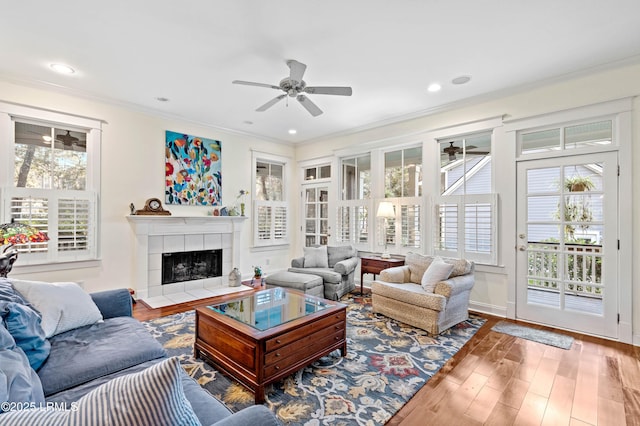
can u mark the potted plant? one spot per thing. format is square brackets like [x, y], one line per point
[578, 183]
[257, 272]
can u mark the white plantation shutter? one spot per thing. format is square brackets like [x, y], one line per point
[404, 232]
[76, 223]
[271, 223]
[446, 226]
[344, 224]
[465, 226]
[280, 223]
[353, 222]
[68, 217]
[410, 225]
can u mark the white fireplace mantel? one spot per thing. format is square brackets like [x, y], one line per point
[158, 234]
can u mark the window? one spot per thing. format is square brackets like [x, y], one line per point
[54, 184]
[465, 210]
[403, 187]
[590, 134]
[317, 172]
[271, 209]
[353, 206]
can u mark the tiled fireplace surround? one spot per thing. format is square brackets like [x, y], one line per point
[170, 234]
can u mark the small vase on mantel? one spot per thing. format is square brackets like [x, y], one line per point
[235, 279]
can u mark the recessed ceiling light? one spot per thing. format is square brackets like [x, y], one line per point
[248, 122]
[46, 138]
[463, 79]
[434, 87]
[292, 131]
[62, 68]
[162, 99]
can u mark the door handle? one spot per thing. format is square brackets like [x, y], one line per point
[522, 248]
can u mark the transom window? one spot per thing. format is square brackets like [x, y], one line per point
[591, 134]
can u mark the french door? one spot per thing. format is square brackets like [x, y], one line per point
[315, 206]
[567, 243]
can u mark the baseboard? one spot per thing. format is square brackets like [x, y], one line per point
[484, 308]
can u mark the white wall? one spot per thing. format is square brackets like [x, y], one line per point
[493, 284]
[133, 171]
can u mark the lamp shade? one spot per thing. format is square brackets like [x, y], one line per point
[19, 233]
[385, 209]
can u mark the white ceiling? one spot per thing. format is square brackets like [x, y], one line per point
[133, 52]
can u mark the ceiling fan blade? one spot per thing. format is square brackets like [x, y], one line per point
[341, 91]
[271, 103]
[251, 83]
[309, 106]
[297, 70]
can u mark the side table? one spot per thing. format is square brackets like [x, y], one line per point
[375, 264]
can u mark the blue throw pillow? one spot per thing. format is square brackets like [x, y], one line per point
[23, 323]
[18, 382]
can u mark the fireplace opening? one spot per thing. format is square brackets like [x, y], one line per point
[191, 265]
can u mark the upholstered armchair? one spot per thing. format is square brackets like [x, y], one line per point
[335, 264]
[419, 295]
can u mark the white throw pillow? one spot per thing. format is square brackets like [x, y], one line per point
[63, 306]
[316, 257]
[436, 272]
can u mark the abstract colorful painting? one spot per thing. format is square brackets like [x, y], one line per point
[193, 170]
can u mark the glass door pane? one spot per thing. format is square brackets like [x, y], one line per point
[316, 216]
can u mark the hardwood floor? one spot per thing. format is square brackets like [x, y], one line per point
[497, 379]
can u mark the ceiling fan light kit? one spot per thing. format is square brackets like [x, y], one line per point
[295, 87]
[452, 150]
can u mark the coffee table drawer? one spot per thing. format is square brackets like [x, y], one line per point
[295, 335]
[319, 341]
[300, 345]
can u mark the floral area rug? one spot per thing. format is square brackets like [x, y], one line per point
[387, 362]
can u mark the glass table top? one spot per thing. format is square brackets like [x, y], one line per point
[269, 308]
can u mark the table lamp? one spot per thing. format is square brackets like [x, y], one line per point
[385, 211]
[16, 233]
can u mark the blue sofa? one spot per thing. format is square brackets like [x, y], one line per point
[82, 359]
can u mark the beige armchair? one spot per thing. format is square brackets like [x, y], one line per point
[398, 294]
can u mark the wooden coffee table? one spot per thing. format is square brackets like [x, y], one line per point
[260, 338]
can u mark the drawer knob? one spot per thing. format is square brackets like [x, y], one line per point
[337, 327]
[277, 340]
[277, 353]
[277, 367]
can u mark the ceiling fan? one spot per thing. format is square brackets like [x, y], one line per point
[295, 87]
[453, 150]
[69, 140]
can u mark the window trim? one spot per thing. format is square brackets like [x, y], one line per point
[9, 114]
